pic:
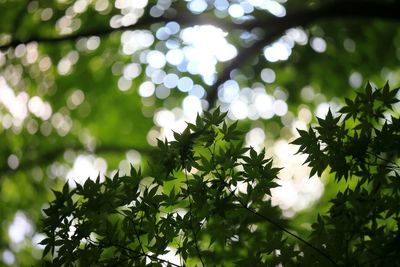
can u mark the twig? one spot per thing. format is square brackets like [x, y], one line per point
[269, 220]
[277, 225]
[385, 160]
[191, 217]
[145, 255]
[138, 238]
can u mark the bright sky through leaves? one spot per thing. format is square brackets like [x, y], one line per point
[88, 86]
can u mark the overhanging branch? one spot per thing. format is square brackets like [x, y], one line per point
[334, 10]
[276, 27]
[186, 19]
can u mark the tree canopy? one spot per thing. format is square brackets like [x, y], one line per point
[87, 87]
[193, 201]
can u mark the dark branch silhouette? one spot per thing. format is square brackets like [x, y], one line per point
[342, 9]
[350, 9]
[51, 155]
[295, 18]
[186, 19]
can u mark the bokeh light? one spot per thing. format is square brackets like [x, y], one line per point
[162, 72]
[84, 167]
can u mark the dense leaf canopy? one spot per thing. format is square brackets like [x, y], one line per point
[87, 87]
[192, 202]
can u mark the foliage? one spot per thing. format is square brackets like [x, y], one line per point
[208, 199]
[360, 146]
[79, 94]
[192, 203]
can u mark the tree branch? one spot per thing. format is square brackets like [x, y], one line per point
[145, 255]
[264, 217]
[333, 10]
[52, 155]
[186, 19]
[191, 216]
[19, 18]
[295, 18]
[283, 229]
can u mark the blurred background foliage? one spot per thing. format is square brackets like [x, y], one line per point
[87, 86]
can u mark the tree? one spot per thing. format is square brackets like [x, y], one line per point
[193, 204]
[81, 82]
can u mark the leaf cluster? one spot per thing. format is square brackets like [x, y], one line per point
[205, 201]
[361, 147]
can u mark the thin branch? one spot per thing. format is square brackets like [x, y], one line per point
[138, 238]
[269, 220]
[74, 36]
[160, 260]
[385, 160]
[244, 55]
[52, 155]
[191, 216]
[277, 225]
[134, 230]
[144, 254]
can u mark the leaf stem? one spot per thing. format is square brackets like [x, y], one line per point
[145, 255]
[277, 225]
[191, 216]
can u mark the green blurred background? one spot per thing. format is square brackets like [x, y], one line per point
[87, 86]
